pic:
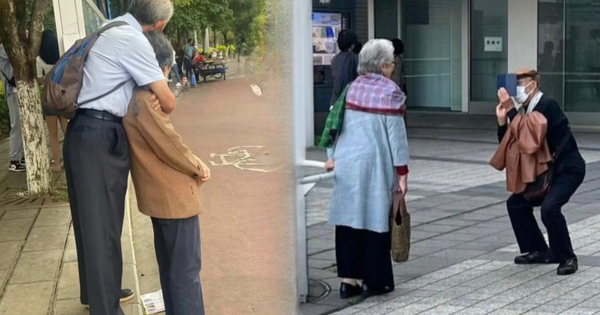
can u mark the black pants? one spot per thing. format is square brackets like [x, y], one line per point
[177, 246]
[528, 234]
[188, 68]
[364, 255]
[96, 154]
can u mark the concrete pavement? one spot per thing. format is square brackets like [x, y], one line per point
[462, 241]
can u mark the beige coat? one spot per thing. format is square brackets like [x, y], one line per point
[165, 172]
[523, 152]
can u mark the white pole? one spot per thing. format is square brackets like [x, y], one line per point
[302, 100]
[196, 39]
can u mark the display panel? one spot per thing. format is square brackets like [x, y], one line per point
[326, 27]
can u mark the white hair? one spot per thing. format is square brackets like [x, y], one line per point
[375, 53]
[148, 12]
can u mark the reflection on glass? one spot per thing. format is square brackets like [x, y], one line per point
[433, 53]
[489, 53]
[92, 18]
[569, 34]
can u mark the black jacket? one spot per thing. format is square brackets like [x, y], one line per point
[344, 71]
[558, 128]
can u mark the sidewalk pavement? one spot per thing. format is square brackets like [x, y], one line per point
[462, 241]
[38, 265]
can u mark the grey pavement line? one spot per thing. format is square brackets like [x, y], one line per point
[452, 160]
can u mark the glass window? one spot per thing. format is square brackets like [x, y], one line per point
[489, 53]
[569, 50]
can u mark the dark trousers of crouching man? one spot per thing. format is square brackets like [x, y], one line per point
[570, 173]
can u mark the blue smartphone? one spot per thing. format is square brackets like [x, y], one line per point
[509, 82]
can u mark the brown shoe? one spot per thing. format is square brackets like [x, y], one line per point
[126, 295]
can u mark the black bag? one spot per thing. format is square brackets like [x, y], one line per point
[540, 188]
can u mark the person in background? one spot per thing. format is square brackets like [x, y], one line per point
[188, 56]
[174, 69]
[96, 151]
[15, 152]
[569, 175]
[371, 163]
[343, 67]
[357, 48]
[398, 75]
[163, 169]
[49, 55]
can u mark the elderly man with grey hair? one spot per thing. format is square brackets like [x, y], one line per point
[96, 151]
[371, 164]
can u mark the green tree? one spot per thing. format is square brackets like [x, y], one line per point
[20, 18]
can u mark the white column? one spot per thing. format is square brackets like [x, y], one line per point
[70, 25]
[303, 111]
[466, 15]
[522, 34]
[371, 18]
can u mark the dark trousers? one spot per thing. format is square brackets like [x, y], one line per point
[96, 154]
[528, 234]
[177, 246]
[188, 68]
[364, 255]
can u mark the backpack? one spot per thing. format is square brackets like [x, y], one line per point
[63, 82]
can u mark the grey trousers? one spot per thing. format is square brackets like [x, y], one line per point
[15, 152]
[97, 163]
[177, 246]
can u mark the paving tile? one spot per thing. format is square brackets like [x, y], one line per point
[36, 267]
[27, 299]
[46, 238]
[15, 230]
[50, 217]
[68, 282]
[20, 214]
[70, 307]
[10, 251]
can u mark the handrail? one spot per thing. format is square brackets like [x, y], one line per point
[316, 178]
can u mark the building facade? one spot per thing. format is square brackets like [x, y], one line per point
[455, 49]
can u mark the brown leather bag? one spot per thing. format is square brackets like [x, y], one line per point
[542, 184]
[400, 229]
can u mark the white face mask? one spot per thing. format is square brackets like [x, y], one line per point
[521, 96]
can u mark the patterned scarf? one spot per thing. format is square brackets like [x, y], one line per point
[376, 94]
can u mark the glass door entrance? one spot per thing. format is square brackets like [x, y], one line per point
[433, 53]
[488, 53]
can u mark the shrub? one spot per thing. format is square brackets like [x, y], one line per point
[231, 49]
[221, 49]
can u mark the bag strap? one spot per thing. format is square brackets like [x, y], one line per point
[561, 145]
[10, 81]
[105, 94]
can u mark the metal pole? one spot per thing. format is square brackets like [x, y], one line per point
[302, 91]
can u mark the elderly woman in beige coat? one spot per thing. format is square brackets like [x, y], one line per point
[167, 178]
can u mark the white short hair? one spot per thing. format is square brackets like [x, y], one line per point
[148, 12]
[375, 53]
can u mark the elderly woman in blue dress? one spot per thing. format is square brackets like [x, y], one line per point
[370, 160]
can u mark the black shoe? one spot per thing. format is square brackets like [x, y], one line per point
[16, 166]
[536, 258]
[126, 295]
[22, 161]
[347, 290]
[369, 291]
[568, 267]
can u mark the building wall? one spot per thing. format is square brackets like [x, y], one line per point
[522, 34]
[362, 20]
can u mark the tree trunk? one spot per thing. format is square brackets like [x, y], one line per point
[39, 177]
